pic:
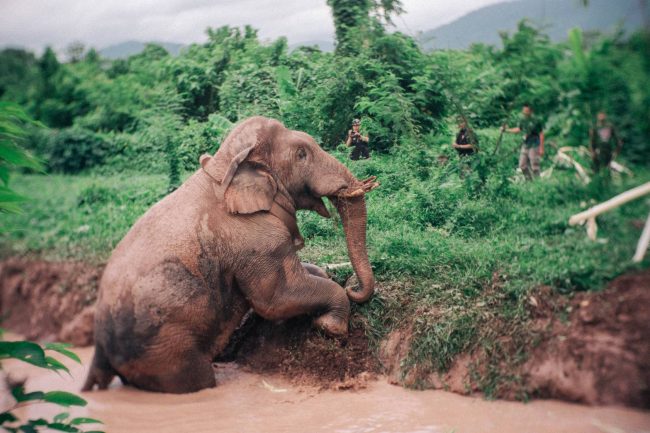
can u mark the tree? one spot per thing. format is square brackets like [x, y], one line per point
[75, 51]
[352, 21]
[19, 75]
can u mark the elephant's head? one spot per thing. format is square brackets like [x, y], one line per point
[261, 159]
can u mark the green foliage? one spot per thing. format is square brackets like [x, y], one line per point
[354, 21]
[12, 132]
[248, 91]
[197, 138]
[19, 75]
[84, 216]
[350, 19]
[37, 355]
[72, 150]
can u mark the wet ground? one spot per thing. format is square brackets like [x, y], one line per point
[248, 402]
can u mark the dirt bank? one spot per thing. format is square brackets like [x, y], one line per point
[593, 348]
[299, 352]
[601, 354]
[49, 300]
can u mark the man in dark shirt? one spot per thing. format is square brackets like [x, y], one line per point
[358, 141]
[465, 143]
[604, 142]
[532, 146]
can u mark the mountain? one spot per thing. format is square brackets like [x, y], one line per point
[129, 48]
[556, 17]
[327, 46]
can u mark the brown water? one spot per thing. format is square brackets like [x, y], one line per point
[246, 402]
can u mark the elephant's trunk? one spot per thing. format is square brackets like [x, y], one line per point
[353, 215]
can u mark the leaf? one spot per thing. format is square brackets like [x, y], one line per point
[63, 398]
[61, 417]
[25, 351]
[39, 421]
[7, 417]
[576, 43]
[10, 208]
[82, 420]
[17, 156]
[62, 349]
[28, 428]
[62, 427]
[4, 174]
[7, 195]
[19, 394]
[55, 364]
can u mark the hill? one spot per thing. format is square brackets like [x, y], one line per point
[555, 16]
[129, 48]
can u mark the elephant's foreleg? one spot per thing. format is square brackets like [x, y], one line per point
[290, 290]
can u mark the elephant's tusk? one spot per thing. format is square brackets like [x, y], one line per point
[365, 187]
[359, 192]
[370, 186]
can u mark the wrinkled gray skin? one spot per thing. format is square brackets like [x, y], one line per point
[179, 283]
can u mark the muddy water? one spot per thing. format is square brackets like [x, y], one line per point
[246, 402]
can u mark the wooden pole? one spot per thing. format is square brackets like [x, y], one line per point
[610, 204]
[644, 241]
[338, 265]
[496, 148]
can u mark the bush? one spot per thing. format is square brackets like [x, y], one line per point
[134, 152]
[96, 194]
[197, 138]
[72, 150]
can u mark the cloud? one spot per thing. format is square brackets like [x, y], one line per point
[99, 23]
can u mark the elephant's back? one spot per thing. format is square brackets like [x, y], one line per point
[165, 232]
[161, 289]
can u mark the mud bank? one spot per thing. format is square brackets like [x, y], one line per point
[593, 348]
[50, 301]
[601, 354]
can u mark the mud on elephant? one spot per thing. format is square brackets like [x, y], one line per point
[179, 283]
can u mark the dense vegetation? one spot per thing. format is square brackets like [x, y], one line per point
[458, 244]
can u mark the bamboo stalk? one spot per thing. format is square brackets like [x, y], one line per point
[610, 204]
[644, 241]
[338, 265]
[582, 173]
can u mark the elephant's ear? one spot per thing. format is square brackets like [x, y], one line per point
[252, 189]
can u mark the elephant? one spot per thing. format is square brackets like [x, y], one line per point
[178, 284]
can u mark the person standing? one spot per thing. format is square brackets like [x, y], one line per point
[358, 141]
[604, 142]
[532, 147]
[465, 143]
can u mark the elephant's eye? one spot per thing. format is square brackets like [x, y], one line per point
[301, 154]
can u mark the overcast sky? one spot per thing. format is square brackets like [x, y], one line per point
[100, 23]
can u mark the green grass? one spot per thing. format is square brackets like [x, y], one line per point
[77, 217]
[457, 258]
